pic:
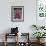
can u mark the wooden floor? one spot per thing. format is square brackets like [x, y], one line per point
[13, 44]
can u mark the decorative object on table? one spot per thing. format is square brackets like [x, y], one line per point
[17, 13]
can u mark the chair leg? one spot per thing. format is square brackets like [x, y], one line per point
[5, 40]
[16, 40]
[5, 43]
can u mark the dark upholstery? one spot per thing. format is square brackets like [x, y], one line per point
[14, 30]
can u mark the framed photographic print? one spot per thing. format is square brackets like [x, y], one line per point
[17, 13]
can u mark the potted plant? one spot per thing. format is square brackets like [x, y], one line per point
[38, 27]
[39, 35]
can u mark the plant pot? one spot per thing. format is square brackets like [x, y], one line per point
[38, 40]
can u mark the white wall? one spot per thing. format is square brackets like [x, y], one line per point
[29, 15]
